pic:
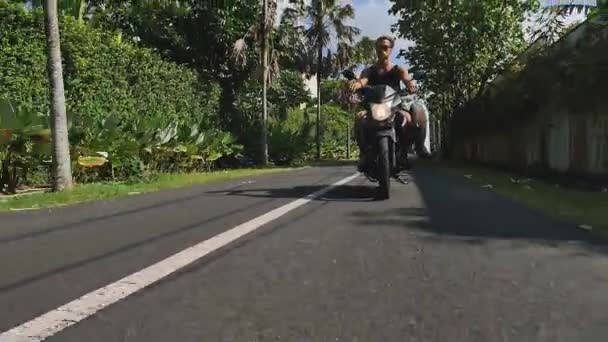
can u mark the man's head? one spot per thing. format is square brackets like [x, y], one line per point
[384, 47]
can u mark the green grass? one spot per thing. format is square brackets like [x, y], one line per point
[573, 205]
[104, 191]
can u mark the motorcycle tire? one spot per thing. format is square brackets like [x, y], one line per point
[384, 168]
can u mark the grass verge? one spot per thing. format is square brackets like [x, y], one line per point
[103, 191]
[573, 205]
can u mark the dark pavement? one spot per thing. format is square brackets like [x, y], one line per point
[440, 261]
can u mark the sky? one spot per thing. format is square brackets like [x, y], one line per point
[373, 19]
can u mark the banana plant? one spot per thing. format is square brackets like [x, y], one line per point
[161, 146]
[25, 139]
[101, 145]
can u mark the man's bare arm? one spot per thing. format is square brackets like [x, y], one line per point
[405, 76]
[361, 81]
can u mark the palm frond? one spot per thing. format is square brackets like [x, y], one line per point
[345, 33]
[273, 67]
[239, 52]
[272, 15]
[344, 12]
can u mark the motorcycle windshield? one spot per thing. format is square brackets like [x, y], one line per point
[382, 94]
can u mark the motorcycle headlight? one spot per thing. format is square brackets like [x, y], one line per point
[380, 111]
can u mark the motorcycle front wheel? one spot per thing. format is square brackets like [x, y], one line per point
[384, 167]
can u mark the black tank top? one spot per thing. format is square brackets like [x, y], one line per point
[390, 78]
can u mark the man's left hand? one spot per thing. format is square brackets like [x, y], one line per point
[412, 88]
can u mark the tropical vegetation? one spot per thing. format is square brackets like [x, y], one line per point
[464, 46]
[112, 90]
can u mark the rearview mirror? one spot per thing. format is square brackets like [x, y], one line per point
[349, 74]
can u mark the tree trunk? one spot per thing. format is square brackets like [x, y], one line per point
[82, 10]
[62, 170]
[319, 71]
[264, 138]
[319, 68]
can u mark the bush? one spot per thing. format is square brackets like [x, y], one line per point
[286, 122]
[248, 116]
[290, 139]
[335, 126]
[102, 74]
[24, 142]
[330, 90]
[144, 114]
[289, 91]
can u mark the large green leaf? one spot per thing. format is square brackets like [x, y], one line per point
[214, 155]
[41, 135]
[180, 148]
[91, 161]
[5, 136]
[167, 134]
[8, 115]
[42, 149]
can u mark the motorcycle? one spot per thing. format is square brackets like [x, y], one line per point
[381, 103]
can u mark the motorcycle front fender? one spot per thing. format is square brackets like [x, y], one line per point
[387, 133]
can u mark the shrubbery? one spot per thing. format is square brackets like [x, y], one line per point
[335, 125]
[142, 113]
[102, 73]
[293, 139]
[292, 130]
[290, 139]
[133, 114]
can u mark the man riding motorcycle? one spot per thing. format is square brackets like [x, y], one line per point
[417, 106]
[385, 72]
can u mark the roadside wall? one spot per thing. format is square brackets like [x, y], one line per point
[557, 140]
[555, 137]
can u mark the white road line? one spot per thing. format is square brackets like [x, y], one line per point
[52, 322]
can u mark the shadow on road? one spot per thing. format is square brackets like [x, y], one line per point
[123, 212]
[344, 193]
[455, 209]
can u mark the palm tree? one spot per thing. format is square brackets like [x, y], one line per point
[364, 51]
[62, 170]
[265, 34]
[343, 58]
[261, 36]
[327, 20]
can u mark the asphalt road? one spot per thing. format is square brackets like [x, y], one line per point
[440, 261]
